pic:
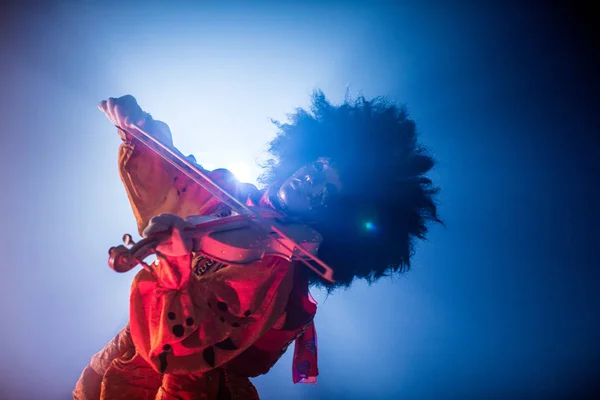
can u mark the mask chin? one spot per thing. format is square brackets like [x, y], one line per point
[292, 201]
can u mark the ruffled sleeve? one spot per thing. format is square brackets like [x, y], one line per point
[155, 187]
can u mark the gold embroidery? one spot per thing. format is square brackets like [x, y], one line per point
[202, 265]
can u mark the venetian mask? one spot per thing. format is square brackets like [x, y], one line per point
[310, 188]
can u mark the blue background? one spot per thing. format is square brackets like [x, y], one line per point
[500, 303]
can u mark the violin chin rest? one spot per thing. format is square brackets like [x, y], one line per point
[235, 246]
[243, 245]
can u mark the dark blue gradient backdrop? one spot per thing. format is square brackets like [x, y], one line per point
[500, 303]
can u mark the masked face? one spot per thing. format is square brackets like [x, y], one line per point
[310, 188]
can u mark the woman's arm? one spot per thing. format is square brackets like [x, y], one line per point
[153, 185]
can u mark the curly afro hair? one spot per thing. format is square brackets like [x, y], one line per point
[386, 202]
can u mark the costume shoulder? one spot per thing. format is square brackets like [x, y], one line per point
[155, 187]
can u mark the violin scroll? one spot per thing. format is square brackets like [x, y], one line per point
[123, 259]
[120, 260]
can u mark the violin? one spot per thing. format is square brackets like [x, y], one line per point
[235, 240]
[231, 240]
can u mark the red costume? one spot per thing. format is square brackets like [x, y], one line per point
[198, 328]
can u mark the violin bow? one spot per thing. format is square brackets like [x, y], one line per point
[196, 175]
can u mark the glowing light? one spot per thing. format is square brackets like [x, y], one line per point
[208, 166]
[242, 172]
[370, 226]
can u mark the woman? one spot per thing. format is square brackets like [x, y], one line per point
[199, 329]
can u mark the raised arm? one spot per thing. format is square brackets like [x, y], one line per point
[153, 185]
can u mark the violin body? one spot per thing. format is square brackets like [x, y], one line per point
[233, 240]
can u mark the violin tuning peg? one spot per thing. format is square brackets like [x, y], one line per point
[128, 240]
